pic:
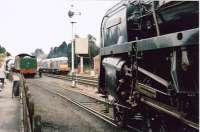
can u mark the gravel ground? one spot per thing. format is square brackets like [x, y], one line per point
[62, 116]
[64, 87]
[74, 94]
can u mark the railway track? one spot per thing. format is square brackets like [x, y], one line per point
[91, 81]
[91, 104]
[88, 103]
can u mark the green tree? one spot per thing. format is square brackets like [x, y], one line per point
[93, 49]
[65, 50]
[69, 55]
[60, 51]
[2, 50]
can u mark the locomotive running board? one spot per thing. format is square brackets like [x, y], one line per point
[189, 37]
[169, 110]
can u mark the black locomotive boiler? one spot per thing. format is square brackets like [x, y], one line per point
[150, 64]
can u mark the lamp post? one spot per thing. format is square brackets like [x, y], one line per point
[72, 51]
[71, 14]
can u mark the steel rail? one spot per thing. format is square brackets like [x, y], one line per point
[174, 114]
[93, 97]
[78, 79]
[90, 110]
[78, 76]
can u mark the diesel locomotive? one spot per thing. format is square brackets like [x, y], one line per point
[26, 65]
[150, 64]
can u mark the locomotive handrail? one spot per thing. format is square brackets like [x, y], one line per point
[115, 7]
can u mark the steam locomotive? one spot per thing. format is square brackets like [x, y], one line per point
[150, 64]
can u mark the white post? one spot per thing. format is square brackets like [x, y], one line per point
[72, 50]
[71, 13]
[81, 57]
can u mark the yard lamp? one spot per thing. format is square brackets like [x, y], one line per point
[71, 14]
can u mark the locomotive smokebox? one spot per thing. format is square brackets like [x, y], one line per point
[113, 67]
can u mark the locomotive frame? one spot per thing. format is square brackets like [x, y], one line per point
[157, 95]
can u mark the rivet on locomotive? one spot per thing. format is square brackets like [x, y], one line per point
[150, 64]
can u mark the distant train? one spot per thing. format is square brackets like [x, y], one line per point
[55, 65]
[26, 64]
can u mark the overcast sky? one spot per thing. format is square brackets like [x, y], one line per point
[29, 24]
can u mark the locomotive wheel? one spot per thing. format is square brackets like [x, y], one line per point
[154, 123]
[119, 116]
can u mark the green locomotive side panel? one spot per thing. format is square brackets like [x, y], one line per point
[28, 63]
